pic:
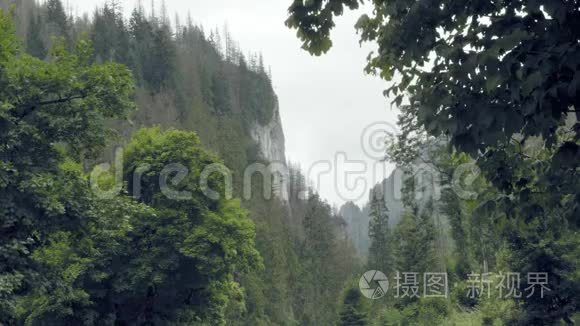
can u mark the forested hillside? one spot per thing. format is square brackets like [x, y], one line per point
[166, 91]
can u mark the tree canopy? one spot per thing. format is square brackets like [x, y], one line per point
[52, 114]
[477, 71]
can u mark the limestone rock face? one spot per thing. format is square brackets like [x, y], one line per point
[272, 146]
[357, 226]
[270, 139]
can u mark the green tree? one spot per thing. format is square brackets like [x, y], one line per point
[57, 20]
[87, 270]
[49, 110]
[316, 255]
[110, 36]
[163, 60]
[451, 208]
[324, 261]
[35, 44]
[196, 243]
[351, 314]
[380, 250]
[141, 44]
[415, 242]
[173, 262]
[220, 91]
[154, 48]
[535, 196]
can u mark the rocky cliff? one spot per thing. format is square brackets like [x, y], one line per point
[270, 138]
[357, 226]
[272, 147]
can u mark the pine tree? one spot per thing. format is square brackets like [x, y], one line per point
[215, 40]
[189, 20]
[261, 68]
[110, 36]
[57, 18]
[253, 62]
[229, 44]
[380, 251]
[351, 314]
[318, 253]
[141, 37]
[164, 57]
[415, 238]
[220, 91]
[34, 43]
[451, 208]
[155, 50]
[178, 27]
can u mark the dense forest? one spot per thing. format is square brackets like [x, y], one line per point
[76, 88]
[491, 87]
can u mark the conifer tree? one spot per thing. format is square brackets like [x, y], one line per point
[164, 57]
[351, 314]
[220, 92]
[110, 36]
[57, 19]
[261, 68]
[215, 40]
[380, 251]
[415, 238]
[34, 43]
[141, 43]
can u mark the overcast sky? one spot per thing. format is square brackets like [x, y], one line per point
[326, 102]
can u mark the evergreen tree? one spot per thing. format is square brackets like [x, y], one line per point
[215, 40]
[163, 61]
[220, 91]
[261, 68]
[141, 44]
[155, 50]
[57, 19]
[110, 36]
[451, 208]
[415, 237]
[351, 314]
[380, 250]
[318, 252]
[34, 42]
[415, 242]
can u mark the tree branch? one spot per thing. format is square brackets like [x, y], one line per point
[30, 107]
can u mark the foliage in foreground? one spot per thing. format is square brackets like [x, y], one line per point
[498, 81]
[71, 257]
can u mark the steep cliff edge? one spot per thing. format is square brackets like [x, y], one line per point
[270, 138]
